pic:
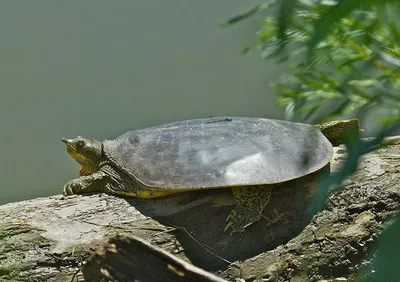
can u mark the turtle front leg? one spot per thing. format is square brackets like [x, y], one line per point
[85, 184]
[250, 202]
[100, 181]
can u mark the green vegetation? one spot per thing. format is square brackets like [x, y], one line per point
[344, 59]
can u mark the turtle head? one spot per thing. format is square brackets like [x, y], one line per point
[87, 152]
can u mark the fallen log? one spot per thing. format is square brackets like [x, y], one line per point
[46, 239]
[133, 259]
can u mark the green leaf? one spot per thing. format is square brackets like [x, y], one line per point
[285, 14]
[390, 120]
[362, 83]
[322, 94]
[391, 59]
[245, 15]
[334, 15]
[249, 49]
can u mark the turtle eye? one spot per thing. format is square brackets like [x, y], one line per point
[80, 144]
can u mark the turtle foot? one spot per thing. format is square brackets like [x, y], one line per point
[250, 202]
[277, 218]
[239, 219]
[74, 186]
[96, 182]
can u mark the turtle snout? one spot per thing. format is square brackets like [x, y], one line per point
[66, 141]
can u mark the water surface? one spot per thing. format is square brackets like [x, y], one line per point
[100, 68]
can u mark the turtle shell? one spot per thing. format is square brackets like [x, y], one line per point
[220, 152]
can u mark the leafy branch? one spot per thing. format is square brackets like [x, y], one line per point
[345, 60]
[345, 56]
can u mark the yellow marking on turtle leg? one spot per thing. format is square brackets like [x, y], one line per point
[250, 202]
[84, 172]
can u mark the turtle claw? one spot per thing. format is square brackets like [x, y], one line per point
[72, 187]
[67, 191]
[278, 217]
[235, 221]
[229, 225]
[229, 218]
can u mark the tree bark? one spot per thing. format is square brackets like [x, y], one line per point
[46, 239]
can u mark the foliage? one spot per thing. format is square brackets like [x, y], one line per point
[384, 257]
[345, 60]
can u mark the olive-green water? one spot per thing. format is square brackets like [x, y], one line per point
[100, 68]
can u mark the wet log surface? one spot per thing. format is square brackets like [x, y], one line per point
[45, 239]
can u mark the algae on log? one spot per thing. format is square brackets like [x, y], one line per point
[44, 239]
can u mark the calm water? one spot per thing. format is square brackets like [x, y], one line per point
[100, 68]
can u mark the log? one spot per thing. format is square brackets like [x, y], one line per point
[133, 259]
[47, 239]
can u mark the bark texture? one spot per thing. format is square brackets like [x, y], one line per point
[46, 239]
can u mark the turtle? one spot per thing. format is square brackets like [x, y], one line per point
[248, 155]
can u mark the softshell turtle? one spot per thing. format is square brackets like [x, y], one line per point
[247, 155]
